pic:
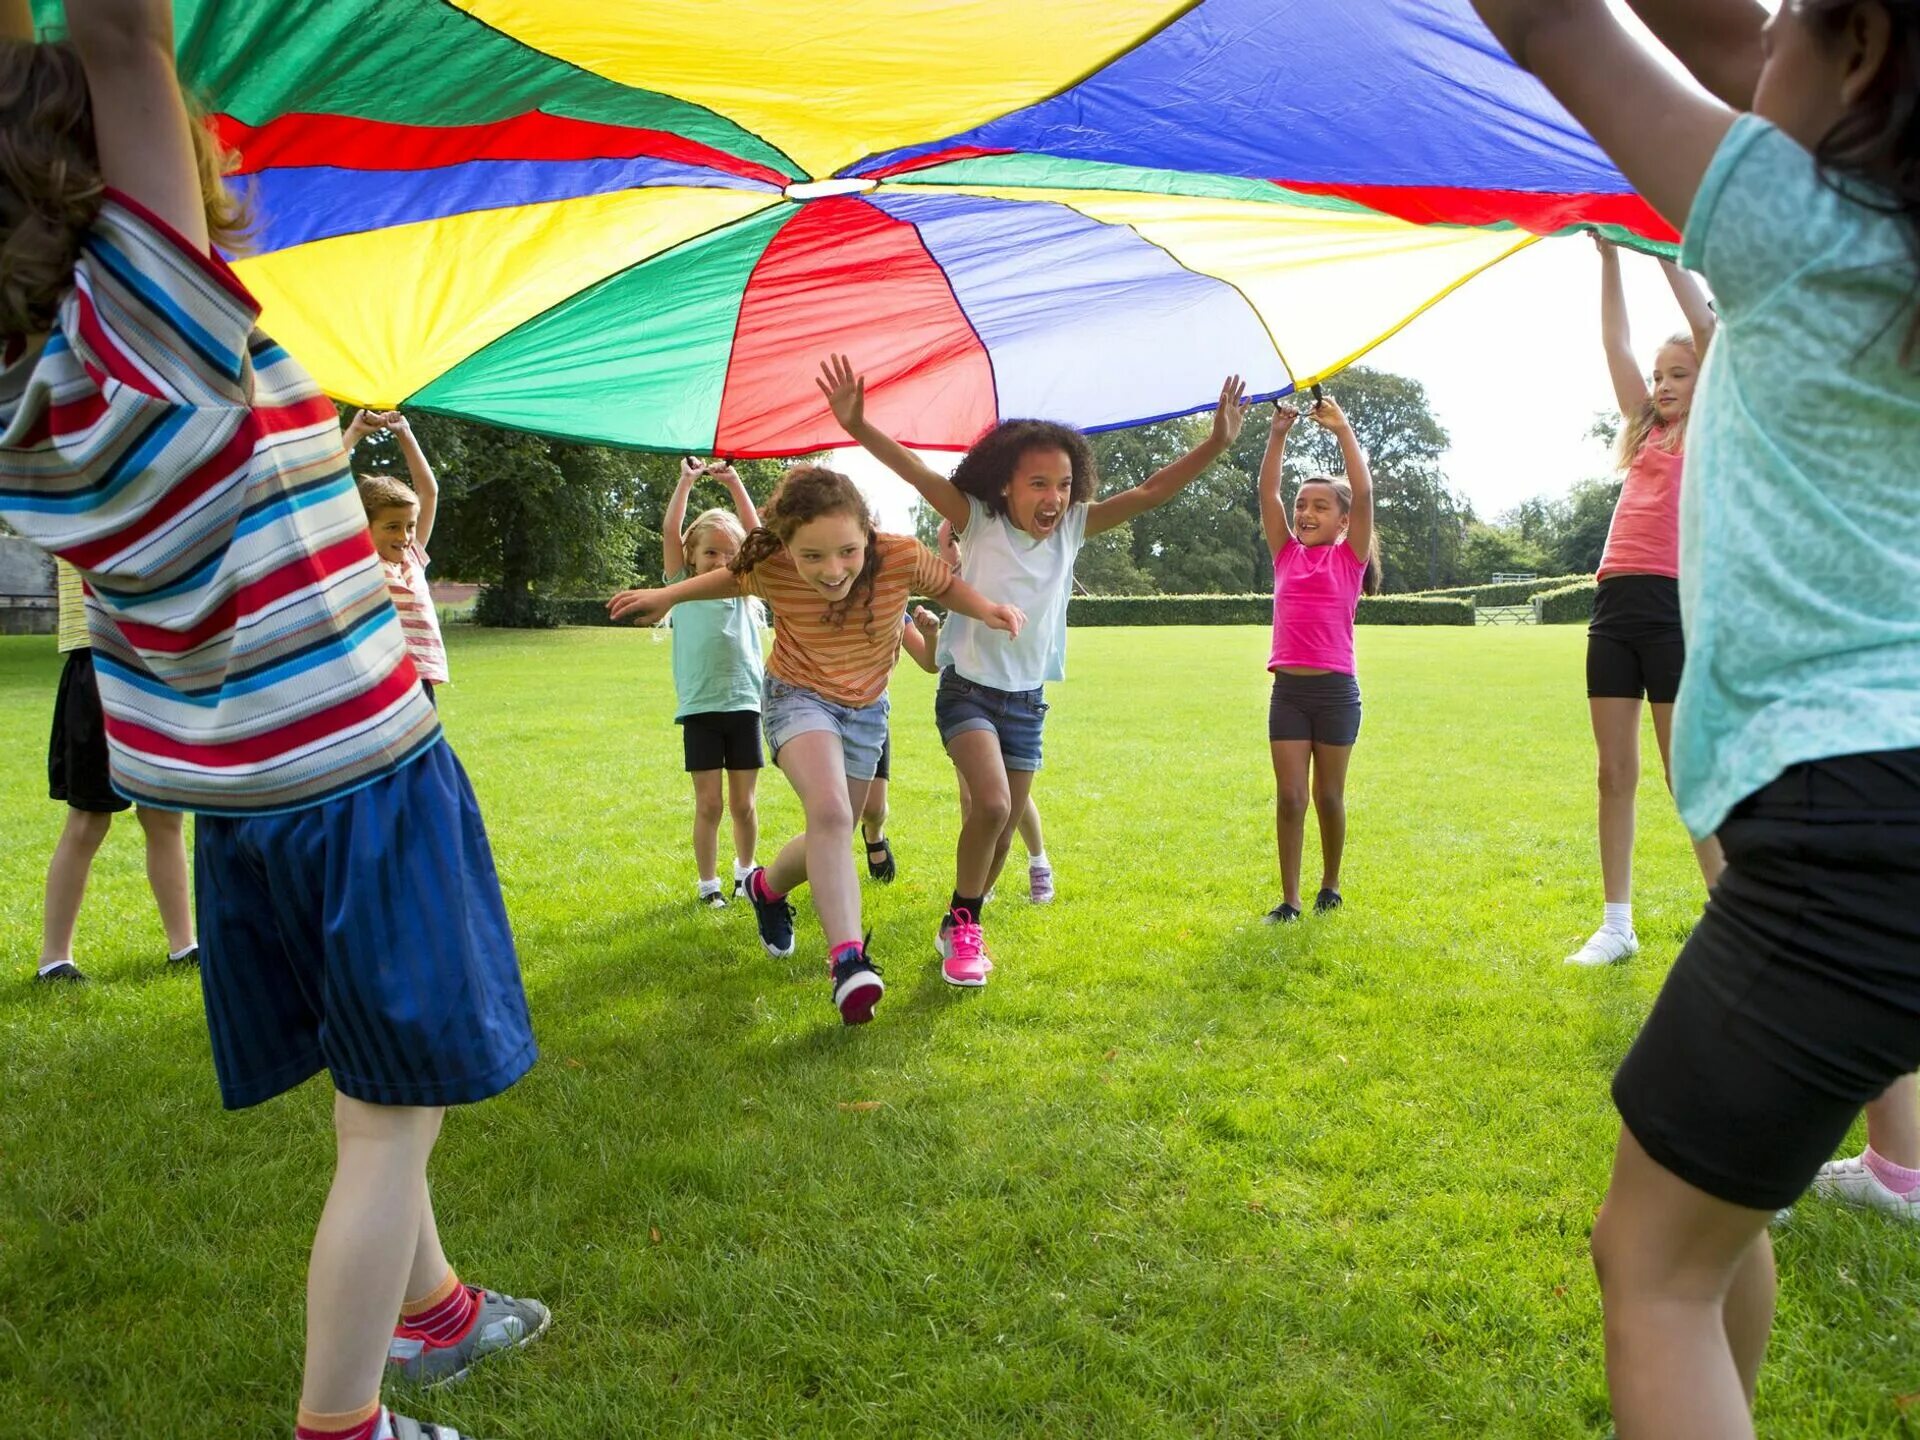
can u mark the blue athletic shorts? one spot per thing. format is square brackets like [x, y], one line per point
[364, 936]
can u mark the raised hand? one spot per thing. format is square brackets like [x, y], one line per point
[1231, 412]
[394, 421]
[642, 607]
[1328, 415]
[690, 471]
[1284, 417]
[846, 392]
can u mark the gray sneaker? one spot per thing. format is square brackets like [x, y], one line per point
[403, 1428]
[503, 1323]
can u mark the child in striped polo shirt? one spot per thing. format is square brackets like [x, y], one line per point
[252, 669]
[401, 518]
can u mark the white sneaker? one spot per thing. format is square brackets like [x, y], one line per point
[1852, 1183]
[1606, 947]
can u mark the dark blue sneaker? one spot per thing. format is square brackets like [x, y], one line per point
[774, 917]
[857, 986]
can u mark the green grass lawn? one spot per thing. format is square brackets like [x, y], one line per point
[1173, 1173]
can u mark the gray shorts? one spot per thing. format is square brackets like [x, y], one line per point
[1322, 708]
[790, 710]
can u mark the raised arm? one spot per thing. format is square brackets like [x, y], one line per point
[918, 636]
[1693, 304]
[1629, 388]
[1329, 416]
[425, 483]
[742, 502]
[141, 128]
[363, 424]
[1654, 125]
[846, 393]
[1717, 40]
[673, 555]
[1273, 505]
[645, 607]
[1229, 414]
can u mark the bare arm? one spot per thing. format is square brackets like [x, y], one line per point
[1273, 505]
[1229, 414]
[673, 555]
[1330, 416]
[963, 599]
[846, 393]
[742, 502]
[1629, 388]
[140, 123]
[644, 607]
[1717, 40]
[917, 640]
[1657, 128]
[425, 483]
[1693, 304]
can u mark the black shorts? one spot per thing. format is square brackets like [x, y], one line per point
[1797, 999]
[77, 769]
[1634, 644]
[722, 740]
[1322, 708]
[884, 770]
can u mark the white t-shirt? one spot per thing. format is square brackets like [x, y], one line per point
[1010, 567]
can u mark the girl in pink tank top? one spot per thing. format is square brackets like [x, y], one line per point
[1322, 562]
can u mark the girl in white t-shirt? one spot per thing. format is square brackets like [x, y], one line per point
[1021, 503]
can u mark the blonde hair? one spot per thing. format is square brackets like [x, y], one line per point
[724, 521]
[383, 492]
[1639, 426]
[50, 182]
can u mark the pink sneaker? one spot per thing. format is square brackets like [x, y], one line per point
[963, 952]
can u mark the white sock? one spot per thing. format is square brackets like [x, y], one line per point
[183, 951]
[740, 872]
[1619, 918]
[710, 887]
[46, 965]
[1040, 860]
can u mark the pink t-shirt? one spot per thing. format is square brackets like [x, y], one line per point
[1644, 538]
[1316, 590]
[419, 621]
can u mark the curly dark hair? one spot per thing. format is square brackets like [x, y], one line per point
[50, 184]
[806, 493]
[987, 469]
[1878, 141]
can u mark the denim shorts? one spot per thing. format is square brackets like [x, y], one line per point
[1016, 716]
[790, 710]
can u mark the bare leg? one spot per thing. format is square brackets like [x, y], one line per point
[1019, 788]
[430, 1266]
[1705, 852]
[1893, 1123]
[364, 1250]
[707, 809]
[873, 815]
[1686, 1282]
[1291, 759]
[67, 875]
[823, 852]
[1330, 806]
[166, 833]
[1616, 735]
[744, 807]
[989, 811]
[1031, 835]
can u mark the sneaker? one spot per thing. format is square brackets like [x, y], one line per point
[1282, 914]
[943, 942]
[774, 917]
[1326, 902]
[503, 1323]
[713, 899]
[1606, 947]
[189, 956]
[857, 986]
[740, 881]
[963, 954]
[1851, 1183]
[401, 1427]
[65, 972]
[1040, 884]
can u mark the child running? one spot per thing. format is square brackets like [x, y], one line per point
[1795, 179]
[1021, 505]
[401, 520]
[881, 865]
[1322, 563]
[716, 678]
[78, 774]
[1635, 648]
[252, 670]
[838, 591]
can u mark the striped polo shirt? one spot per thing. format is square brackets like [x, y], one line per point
[248, 657]
[846, 661]
[419, 619]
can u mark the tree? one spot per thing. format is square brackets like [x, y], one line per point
[1106, 565]
[1491, 550]
[1585, 517]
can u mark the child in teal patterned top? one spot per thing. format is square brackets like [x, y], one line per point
[1797, 730]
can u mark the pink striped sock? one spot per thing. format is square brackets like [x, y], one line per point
[448, 1320]
[1897, 1178]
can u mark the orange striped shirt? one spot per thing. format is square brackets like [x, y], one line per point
[847, 663]
[419, 620]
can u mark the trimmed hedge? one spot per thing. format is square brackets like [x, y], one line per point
[1511, 592]
[1569, 605]
[1165, 610]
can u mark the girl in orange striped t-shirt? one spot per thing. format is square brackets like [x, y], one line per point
[838, 591]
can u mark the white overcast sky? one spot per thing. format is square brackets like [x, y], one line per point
[1512, 366]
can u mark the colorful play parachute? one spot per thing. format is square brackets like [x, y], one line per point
[644, 221]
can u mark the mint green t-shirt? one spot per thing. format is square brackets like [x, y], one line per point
[1800, 519]
[716, 655]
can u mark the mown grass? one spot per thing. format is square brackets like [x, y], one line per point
[1173, 1173]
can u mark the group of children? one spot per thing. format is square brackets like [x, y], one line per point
[257, 633]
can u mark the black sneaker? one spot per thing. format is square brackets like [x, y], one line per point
[190, 957]
[66, 972]
[857, 986]
[1282, 914]
[774, 917]
[1326, 902]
